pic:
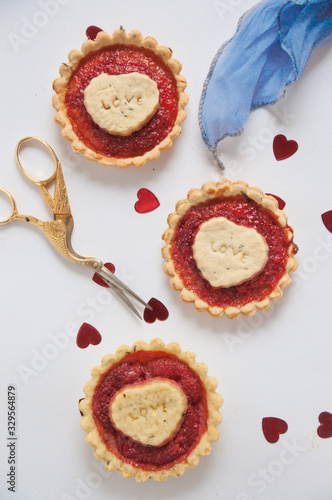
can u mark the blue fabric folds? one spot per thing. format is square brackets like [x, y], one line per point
[268, 52]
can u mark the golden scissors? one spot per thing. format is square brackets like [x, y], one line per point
[59, 230]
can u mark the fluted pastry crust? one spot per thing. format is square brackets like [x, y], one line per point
[220, 189]
[102, 40]
[203, 447]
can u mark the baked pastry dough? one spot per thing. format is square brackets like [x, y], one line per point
[228, 254]
[121, 104]
[147, 383]
[125, 126]
[229, 249]
[150, 412]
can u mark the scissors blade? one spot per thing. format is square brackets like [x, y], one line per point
[123, 297]
[113, 282]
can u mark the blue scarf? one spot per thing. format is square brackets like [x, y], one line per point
[268, 52]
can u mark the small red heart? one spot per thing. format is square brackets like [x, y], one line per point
[92, 32]
[87, 335]
[272, 427]
[327, 219]
[159, 311]
[281, 203]
[325, 429]
[97, 279]
[147, 201]
[283, 148]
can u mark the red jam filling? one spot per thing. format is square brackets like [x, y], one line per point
[116, 60]
[136, 368]
[245, 212]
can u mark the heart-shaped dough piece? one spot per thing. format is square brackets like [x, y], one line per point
[228, 254]
[121, 104]
[150, 413]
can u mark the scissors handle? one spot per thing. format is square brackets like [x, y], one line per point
[38, 182]
[58, 203]
[14, 212]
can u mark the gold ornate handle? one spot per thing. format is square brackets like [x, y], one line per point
[38, 182]
[14, 212]
[59, 230]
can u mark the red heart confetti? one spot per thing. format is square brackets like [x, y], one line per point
[281, 203]
[159, 311]
[325, 429]
[273, 427]
[87, 335]
[283, 148]
[92, 32]
[97, 279]
[327, 220]
[147, 201]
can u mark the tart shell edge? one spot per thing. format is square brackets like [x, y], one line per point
[210, 190]
[103, 39]
[214, 418]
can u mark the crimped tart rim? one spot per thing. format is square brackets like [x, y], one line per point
[104, 39]
[214, 401]
[225, 188]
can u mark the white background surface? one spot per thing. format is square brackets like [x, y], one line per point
[276, 364]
